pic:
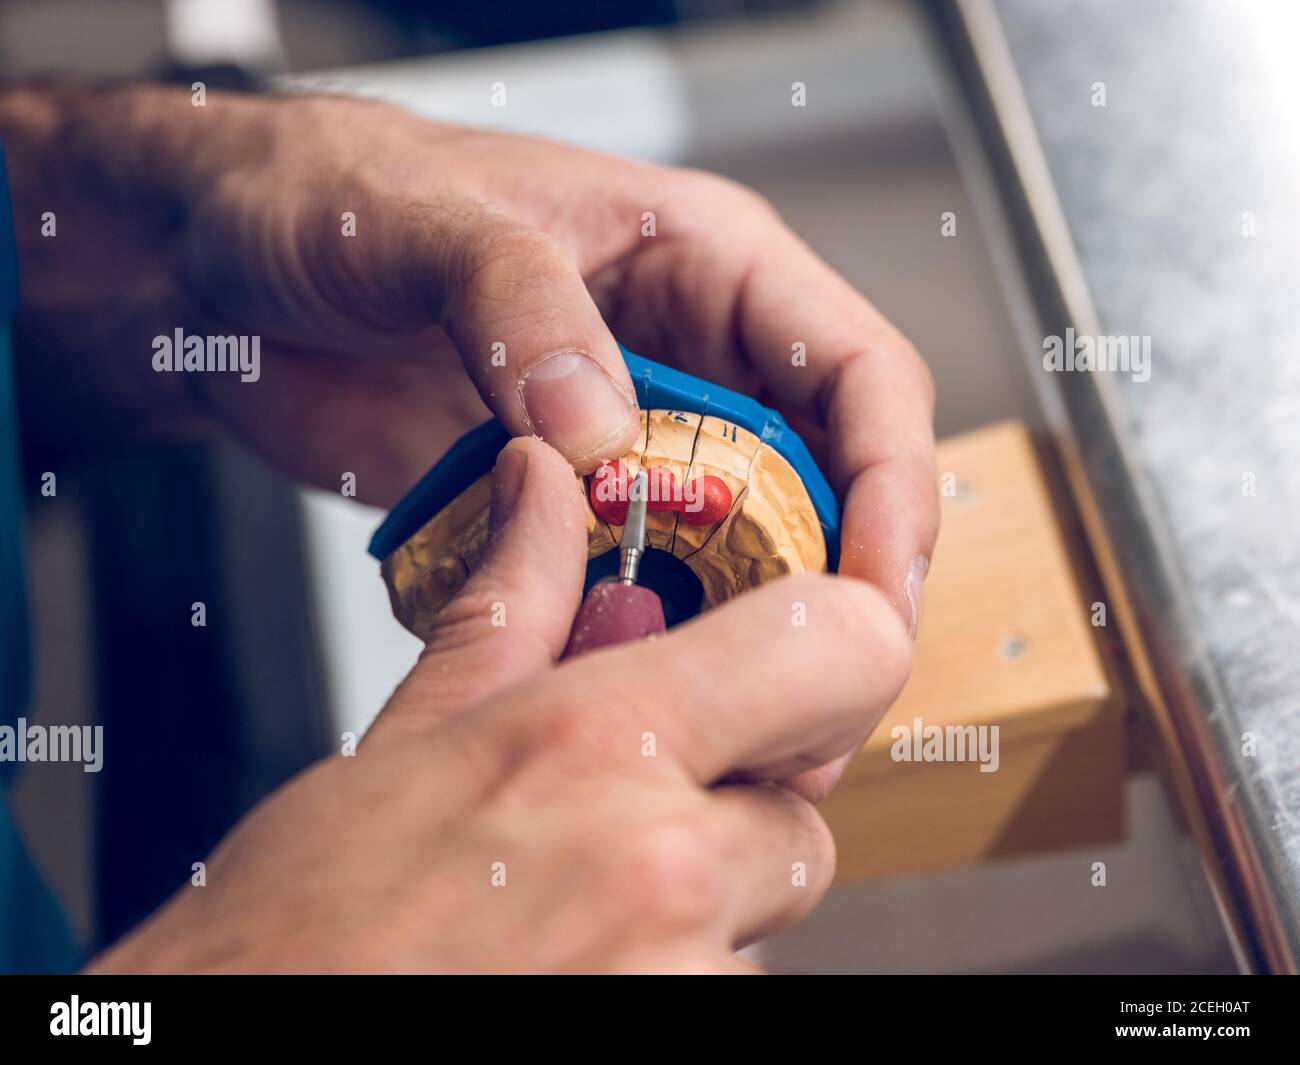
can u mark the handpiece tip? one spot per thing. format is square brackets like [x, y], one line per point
[632, 544]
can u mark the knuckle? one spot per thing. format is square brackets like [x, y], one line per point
[567, 732]
[912, 365]
[504, 257]
[925, 376]
[724, 193]
[818, 840]
[751, 202]
[859, 615]
[891, 655]
[470, 637]
[667, 876]
[463, 620]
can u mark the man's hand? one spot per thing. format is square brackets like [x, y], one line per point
[480, 269]
[506, 814]
[230, 219]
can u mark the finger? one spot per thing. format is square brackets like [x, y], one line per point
[526, 327]
[676, 961]
[781, 856]
[723, 964]
[815, 784]
[875, 396]
[885, 456]
[512, 617]
[773, 307]
[778, 681]
[734, 966]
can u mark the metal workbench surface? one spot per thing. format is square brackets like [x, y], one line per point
[1170, 133]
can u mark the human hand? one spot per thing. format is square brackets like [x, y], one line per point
[230, 219]
[508, 814]
[484, 268]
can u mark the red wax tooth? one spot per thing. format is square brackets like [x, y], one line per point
[663, 489]
[716, 497]
[609, 492]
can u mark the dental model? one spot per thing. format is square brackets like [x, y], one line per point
[755, 520]
[725, 501]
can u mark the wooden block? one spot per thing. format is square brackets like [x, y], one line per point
[1006, 641]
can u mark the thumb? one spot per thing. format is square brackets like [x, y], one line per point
[518, 311]
[533, 341]
[512, 617]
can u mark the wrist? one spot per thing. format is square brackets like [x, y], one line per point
[110, 154]
[102, 181]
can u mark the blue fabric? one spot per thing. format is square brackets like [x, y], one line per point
[34, 936]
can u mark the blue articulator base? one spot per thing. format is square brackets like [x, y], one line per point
[657, 388]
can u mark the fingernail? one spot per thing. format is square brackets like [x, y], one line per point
[572, 404]
[912, 589]
[507, 483]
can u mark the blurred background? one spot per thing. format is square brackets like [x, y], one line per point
[308, 647]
